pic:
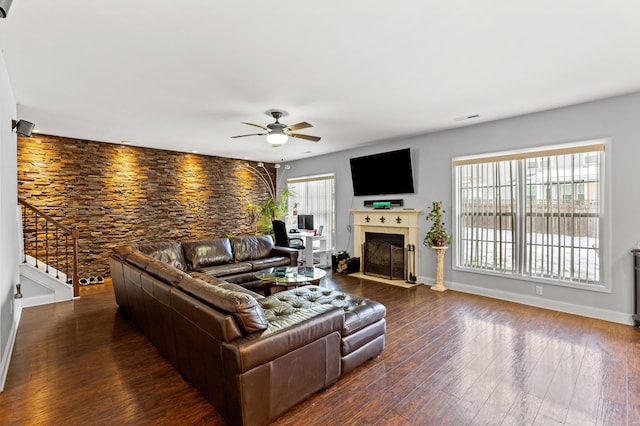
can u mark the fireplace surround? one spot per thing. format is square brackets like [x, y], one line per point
[395, 221]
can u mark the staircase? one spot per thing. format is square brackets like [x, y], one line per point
[49, 270]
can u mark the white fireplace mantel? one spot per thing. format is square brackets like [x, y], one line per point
[402, 222]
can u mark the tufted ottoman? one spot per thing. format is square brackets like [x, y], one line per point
[362, 334]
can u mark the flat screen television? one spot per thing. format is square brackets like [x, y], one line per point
[385, 173]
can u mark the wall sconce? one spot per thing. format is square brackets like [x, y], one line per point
[4, 7]
[22, 127]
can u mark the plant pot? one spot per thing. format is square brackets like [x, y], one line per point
[439, 242]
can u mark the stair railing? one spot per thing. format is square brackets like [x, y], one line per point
[43, 243]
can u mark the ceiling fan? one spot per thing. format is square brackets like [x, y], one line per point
[278, 133]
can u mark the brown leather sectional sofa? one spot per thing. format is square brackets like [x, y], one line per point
[252, 357]
[235, 260]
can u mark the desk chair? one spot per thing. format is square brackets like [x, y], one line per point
[282, 237]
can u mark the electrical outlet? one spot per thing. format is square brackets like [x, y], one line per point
[539, 290]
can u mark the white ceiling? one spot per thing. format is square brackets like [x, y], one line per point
[183, 75]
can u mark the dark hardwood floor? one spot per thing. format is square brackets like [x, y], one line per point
[450, 358]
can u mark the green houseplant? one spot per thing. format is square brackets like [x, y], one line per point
[275, 205]
[437, 235]
[265, 212]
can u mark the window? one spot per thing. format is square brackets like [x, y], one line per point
[534, 214]
[315, 195]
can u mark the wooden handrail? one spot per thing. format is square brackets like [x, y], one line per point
[73, 233]
[46, 216]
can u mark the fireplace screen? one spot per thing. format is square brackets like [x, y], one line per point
[383, 256]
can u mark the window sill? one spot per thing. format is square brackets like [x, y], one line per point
[599, 288]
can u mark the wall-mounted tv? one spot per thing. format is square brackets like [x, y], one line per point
[385, 173]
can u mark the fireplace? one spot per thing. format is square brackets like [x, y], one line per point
[383, 255]
[401, 222]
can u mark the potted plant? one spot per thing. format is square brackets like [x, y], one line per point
[265, 212]
[437, 235]
[276, 203]
[438, 239]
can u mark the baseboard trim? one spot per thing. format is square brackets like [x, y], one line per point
[43, 299]
[397, 283]
[6, 356]
[554, 305]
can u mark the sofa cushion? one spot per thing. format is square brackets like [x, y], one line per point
[251, 247]
[241, 279]
[166, 273]
[139, 259]
[166, 251]
[236, 287]
[123, 251]
[206, 278]
[200, 254]
[230, 285]
[244, 308]
[359, 312]
[269, 262]
[226, 269]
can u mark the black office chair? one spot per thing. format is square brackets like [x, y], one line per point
[282, 238]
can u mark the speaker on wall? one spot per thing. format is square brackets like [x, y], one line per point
[22, 127]
[4, 7]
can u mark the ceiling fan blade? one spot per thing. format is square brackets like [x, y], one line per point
[299, 126]
[255, 125]
[252, 134]
[307, 137]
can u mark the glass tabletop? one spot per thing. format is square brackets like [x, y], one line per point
[291, 274]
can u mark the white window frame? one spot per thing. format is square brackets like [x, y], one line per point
[329, 228]
[604, 223]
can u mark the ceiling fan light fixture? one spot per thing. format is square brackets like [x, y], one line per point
[278, 133]
[277, 138]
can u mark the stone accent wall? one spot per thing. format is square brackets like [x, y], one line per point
[117, 194]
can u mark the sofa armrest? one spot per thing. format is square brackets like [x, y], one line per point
[286, 252]
[282, 337]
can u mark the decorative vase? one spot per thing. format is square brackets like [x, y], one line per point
[440, 252]
[18, 294]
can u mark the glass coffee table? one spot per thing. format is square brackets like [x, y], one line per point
[290, 276]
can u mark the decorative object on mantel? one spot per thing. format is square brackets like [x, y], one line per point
[438, 239]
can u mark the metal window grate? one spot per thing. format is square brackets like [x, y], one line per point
[486, 208]
[535, 216]
[562, 221]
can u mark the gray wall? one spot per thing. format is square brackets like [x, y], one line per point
[9, 248]
[616, 118]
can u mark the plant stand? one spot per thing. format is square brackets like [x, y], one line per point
[439, 285]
